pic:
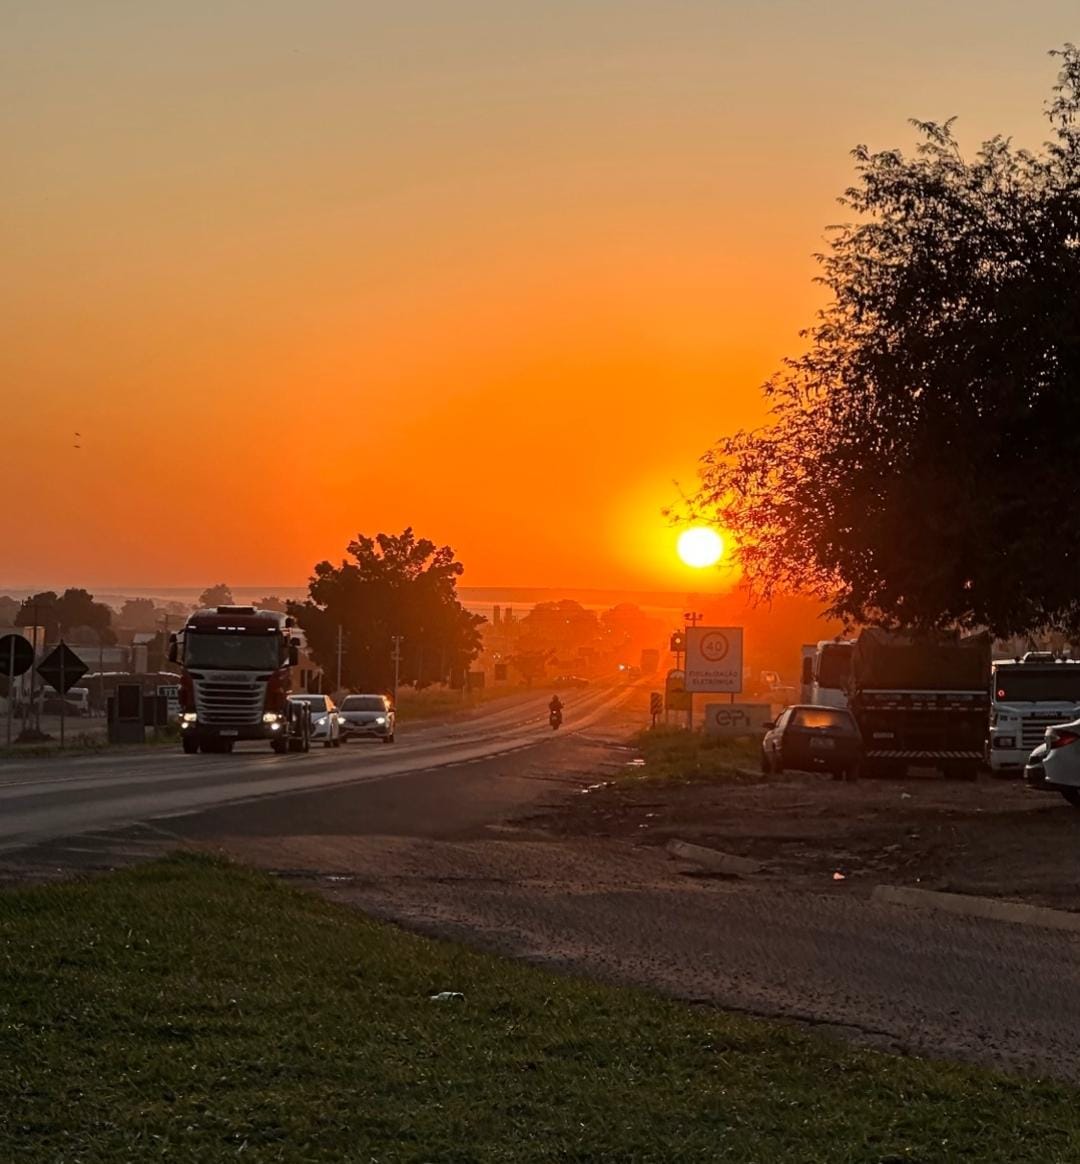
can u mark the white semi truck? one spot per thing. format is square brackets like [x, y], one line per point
[1027, 696]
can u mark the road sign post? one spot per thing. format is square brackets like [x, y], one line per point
[17, 655]
[62, 669]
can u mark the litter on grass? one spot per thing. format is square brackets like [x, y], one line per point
[447, 996]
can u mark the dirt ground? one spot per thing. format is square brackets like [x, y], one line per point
[993, 837]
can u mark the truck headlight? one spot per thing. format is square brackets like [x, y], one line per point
[1004, 741]
[189, 717]
[270, 717]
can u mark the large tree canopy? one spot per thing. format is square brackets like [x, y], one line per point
[62, 614]
[920, 466]
[396, 585]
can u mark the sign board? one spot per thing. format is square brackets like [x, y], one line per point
[676, 697]
[714, 658]
[62, 668]
[737, 719]
[16, 655]
[171, 691]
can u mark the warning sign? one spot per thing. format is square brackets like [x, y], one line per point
[714, 658]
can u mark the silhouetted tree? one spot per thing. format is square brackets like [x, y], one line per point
[59, 614]
[395, 585]
[920, 466]
[138, 614]
[219, 595]
[272, 602]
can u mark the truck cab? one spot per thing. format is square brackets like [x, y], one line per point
[830, 673]
[1027, 696]
[235, 677]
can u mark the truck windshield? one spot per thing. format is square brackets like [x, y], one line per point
[232, 652]
[834, 665]
[1026, 684]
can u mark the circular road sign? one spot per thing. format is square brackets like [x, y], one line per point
[714, 647]
[16, 655]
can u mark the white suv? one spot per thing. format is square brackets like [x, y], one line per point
[367, 716]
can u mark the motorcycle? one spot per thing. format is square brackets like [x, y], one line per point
[555, 718]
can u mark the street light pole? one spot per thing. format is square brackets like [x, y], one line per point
[339, 649]
[692, 618]
[397, 641]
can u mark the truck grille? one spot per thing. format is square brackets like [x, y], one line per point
[239, 702]
[1033, 727]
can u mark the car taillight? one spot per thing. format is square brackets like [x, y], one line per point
[1060, 739]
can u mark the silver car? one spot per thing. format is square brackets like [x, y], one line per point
[325, 720]
[367, 716]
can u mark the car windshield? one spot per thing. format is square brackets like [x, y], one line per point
[364, 703]
[834, 665]
[315, 702]
[1026, 684]
[822, 718]
[235, 652]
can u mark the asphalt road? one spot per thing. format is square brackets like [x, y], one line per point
[60, 797]
[443, 833]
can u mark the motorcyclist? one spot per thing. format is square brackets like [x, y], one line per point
[555, 706]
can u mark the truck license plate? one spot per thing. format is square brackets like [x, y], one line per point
[822, 745]
[228, 733]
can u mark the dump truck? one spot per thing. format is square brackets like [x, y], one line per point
[921, 700]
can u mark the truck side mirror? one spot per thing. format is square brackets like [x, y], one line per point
[174, 649]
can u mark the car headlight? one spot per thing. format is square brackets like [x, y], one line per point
[270, 717]
[189, 717]
[321, 720]
[380, 720]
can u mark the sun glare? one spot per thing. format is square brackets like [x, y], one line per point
[700, 547]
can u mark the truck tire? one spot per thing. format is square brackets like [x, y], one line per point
[190, 744]
[280, 746]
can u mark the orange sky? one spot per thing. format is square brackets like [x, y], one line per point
[499, 270]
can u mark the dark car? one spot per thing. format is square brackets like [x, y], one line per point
[807, 737]
[561, 682]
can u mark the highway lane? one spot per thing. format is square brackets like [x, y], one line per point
[67, 796]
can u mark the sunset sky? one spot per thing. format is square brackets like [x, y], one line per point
[499, 270]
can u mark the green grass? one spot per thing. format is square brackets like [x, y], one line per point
[85, 743]
[189, 1011]
[675, 754]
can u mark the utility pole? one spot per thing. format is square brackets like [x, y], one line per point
[397, 640]
[339, 650]
[692, 618]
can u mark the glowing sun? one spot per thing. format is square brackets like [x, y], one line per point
[700, 547]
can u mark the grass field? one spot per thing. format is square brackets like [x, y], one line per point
[190, 1011]
[677, 754]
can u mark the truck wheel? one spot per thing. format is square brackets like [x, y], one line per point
[765, 768]
[190, 744]
[280, 746]
[1072, 795]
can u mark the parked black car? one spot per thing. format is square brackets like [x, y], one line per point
[807, 737]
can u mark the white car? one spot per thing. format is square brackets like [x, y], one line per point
[369, 716]
[1061, 761]
[325, 720]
